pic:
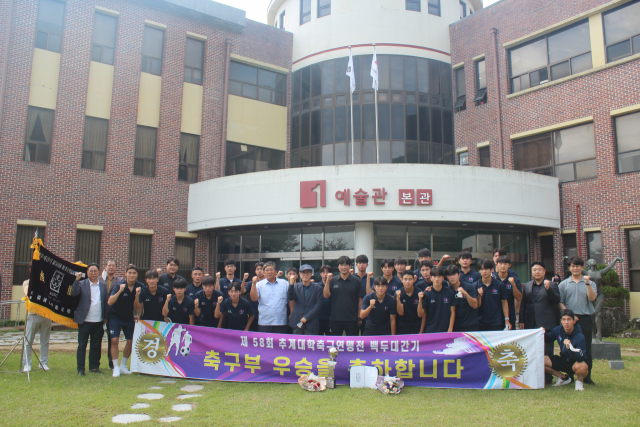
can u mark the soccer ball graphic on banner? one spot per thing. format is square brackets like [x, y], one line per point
[184, 351]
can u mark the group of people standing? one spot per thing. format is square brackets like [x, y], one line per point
[351, 302]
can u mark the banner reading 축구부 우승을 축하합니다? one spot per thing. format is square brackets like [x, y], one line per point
[479, 360]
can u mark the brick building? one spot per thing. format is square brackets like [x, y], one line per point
[564, 72]
[83, 175]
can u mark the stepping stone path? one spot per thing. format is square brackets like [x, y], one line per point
[182, 407]
[130, 418]
[155, 388]
[167, 382]
[140, 406]
[169, 419]
[150, 396]
[188, 396]
[191, 388]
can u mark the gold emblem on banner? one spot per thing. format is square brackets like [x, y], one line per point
[151, 348]
[508, 360]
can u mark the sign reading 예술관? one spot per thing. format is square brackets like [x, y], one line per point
[487, 360]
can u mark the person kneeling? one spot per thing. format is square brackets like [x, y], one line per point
[573, 352]
[379, 310]
[234, 312]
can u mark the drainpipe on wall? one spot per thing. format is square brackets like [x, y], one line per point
[5, 61]
[496, 82]
[225, 106]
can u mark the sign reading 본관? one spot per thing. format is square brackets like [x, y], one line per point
[372, 193]
[487, 360]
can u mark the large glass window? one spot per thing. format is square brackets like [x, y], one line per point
[481, 82]
[622, 31]
[413, 5]
[556, 55]
[193, 61]
[243, 158]
[628, 142]
[94, 147]
[463, 9]
[88, 246]
[283, 20]
[324, 8]
[434, 7]
[140, 252]
[461, 91]
[49, 26]
[415, 114]
[185, 251]
[484, 154]
[568, 154]
[257, 83]
[189, 156]
[594, 246]
[152, 49]
[37, 144]
[305, 11]
[104, 38]
[144, 163]
[634, 259]
[23, 252]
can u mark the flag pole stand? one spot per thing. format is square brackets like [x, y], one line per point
[376, 103]
[23, 341]
[353, 159]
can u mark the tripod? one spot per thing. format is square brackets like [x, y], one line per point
[24, 341]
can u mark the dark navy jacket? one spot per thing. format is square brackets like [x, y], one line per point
[577, 341]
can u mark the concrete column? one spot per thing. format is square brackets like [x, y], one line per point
[364, 241]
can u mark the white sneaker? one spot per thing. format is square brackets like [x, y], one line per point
[124, 370]
[45, 367]
[579, 386]
[562, 381]
[26, 368]
[116, 371]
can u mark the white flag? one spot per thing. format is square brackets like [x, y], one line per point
[351, 74]
[374, 70]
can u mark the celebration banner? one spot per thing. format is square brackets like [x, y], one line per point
[49, 293]
[480, 360]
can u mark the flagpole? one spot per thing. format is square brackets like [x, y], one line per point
[376, 103]
[353, 160]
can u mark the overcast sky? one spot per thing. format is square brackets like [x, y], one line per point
[257, 9]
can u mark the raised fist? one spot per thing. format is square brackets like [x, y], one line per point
[196, 302]
[138, 291]
[280, 273]
[168, 298]
[218, 275]
[512, 281]
[245, 277]
[398, 293]
[351, 271]
[254, 279]
[429, 289]
[370, 275]
[480, 291]
[122, 286]
[329, 276]
[586, 279]
[547, 284]
[420, 295]
[415, 279]
[78, 276]
[372, 302]
[220, 298]
[446, 257]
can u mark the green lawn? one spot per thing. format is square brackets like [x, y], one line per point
[59, 397]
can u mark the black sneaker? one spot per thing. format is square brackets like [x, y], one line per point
[96, 371]
[81, 373]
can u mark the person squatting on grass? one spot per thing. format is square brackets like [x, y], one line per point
[573, 356]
